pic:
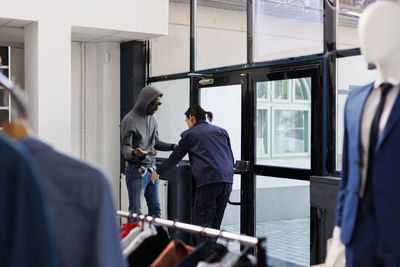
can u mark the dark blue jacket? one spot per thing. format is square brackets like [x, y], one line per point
[210, 154]
[80, 206]
[385, 176]
[26, 232]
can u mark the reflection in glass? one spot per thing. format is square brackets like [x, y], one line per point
[281, 89]
[3, 98]
[352, 72]
[283, 216]
[4, 71]
[284, 123]
[349, 12]
[221, 33]
[287, 28]
[262, 91]
[289, 131]
[170, 54]
[4, 116]
[262, 132]
[302, 89]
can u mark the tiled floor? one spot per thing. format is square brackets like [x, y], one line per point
[288, 241]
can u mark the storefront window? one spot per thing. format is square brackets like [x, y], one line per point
[287, 28]
[284, 123]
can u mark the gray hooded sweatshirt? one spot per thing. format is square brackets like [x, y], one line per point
[138, 129]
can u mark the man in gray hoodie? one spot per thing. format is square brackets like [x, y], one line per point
[139, 140]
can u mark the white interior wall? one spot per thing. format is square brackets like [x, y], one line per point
[54, 88]
[102, 109]
[31, 74]
[17, 66]
[48, 51]
[148, 17]
[110, 55]
[94, 105]
[76, 67]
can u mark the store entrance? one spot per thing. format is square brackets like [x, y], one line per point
[222, 95]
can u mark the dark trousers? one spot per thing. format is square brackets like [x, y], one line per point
[209, 206]
[366, 247]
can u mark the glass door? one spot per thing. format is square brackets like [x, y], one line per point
[284, 128]
[283, 131]
[223, 97]
[271, 116]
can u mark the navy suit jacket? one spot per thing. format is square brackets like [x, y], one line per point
[385, 177]
[210, 154]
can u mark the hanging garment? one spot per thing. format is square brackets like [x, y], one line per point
[130, 237]
[26, 235]
[207, 251]
[245, 261]
[81, 208]
[149, 249]
[172, 254]
[231, 259]
[126, 229]
[135, 243]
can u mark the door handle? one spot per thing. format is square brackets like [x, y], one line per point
[243, 166]
[234, 203]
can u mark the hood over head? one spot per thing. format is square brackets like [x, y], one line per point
[146, 95]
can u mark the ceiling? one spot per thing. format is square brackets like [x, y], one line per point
[12, 34]
[94, 35]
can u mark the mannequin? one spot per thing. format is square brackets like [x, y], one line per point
[379, 36]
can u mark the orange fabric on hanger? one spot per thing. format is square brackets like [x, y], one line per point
[15, 129]
[172, 254]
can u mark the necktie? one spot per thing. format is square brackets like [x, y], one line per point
[367, 199]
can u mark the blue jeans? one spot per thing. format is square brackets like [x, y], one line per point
[139, 186]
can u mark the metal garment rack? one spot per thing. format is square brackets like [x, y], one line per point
[210, 232]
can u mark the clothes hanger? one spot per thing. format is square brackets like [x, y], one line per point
[151, 223]
[244, 250]
[142, 225]
[16, 128]
[176, 244]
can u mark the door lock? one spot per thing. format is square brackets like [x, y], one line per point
[243, 166]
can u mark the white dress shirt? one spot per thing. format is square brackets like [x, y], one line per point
[366, 122]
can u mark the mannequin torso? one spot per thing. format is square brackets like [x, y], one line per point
[379, 37]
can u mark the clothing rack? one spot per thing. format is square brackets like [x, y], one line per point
[210, 232]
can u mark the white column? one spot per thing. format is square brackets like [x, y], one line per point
[110, 54]
[48, 80]
[103, 109]
[31, 74]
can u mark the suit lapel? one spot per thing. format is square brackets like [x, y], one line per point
[391, 122]
[355, 111]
